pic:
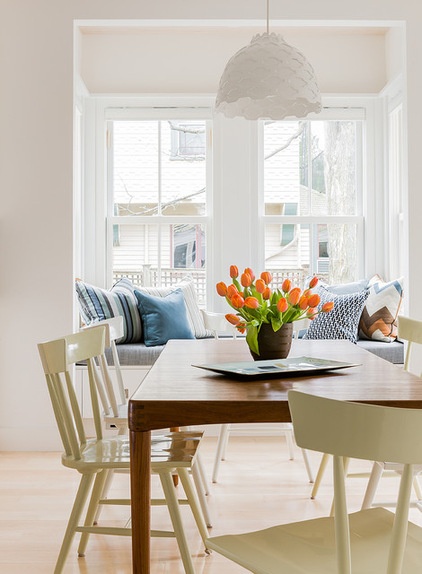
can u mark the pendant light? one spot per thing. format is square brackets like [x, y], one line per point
[268, 79]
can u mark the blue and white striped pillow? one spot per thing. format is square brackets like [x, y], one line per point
[97, 304]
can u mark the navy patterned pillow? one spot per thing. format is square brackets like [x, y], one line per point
[343, 321]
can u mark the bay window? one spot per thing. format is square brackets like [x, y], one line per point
[178, 192]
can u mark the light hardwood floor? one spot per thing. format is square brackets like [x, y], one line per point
[258, 486]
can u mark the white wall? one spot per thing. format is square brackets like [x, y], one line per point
[36, 261]
[171, 60]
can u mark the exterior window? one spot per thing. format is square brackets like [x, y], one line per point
[157, 205]
[187, 141]
[312, 197]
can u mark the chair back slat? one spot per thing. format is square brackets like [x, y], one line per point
[112, 393]
[411, 331]
[58, 357]
[93, 389]
[370, 432]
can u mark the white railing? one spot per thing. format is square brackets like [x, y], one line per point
[149, 276]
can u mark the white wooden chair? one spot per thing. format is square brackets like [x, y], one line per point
[95, 457]
[373, 540]
[219, 326]
[409, 330]
[114, 401]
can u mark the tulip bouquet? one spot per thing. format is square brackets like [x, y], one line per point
[256, 303]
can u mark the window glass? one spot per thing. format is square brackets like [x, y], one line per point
[312, 185]
[158, 170]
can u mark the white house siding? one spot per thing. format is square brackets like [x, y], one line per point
[141, 172]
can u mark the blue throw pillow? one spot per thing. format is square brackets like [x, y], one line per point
[163, 318]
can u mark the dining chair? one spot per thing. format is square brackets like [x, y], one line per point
[114, 402]
[94, 458]
[218, 325]
[373, 540]
[409, 330]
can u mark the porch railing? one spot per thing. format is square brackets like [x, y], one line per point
[150, 276]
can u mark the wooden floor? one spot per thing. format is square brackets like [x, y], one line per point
[258, 486]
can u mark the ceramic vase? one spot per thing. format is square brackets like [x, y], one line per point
[274, 344]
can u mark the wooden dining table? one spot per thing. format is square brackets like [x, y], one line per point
[175, 393]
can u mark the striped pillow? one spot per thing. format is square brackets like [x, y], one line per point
[96, 304]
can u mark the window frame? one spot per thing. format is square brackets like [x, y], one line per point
[234, 222]
[350, 109]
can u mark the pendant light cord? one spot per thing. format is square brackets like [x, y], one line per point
[268, 16]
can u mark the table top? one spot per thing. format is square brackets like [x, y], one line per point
[175, 393]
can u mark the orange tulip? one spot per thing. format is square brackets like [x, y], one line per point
[260, 285]
[304, 302]
[267, 294]
[294, 296]
[221, 289]
[237, 301]
[313, 282]
[241, 329]
[311, 313]
[249, 271]
[234, 271]
[233, 319]
[246, 279]
[267, 277]
[232, 290]
[314, 300]
[286, 286]
[251, 302]
[282, 305]
[327, 307]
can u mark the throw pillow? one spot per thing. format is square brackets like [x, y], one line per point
[342, 322]
[163, 318]
[340, 288]
[379, 316]
[96, 304]
[187, 287]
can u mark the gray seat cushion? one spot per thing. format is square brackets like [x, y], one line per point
[393, 352]
[135, 354]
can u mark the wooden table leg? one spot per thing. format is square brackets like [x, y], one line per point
[140, 482]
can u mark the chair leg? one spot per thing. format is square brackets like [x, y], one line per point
[417, 487]
[75, 515]
[198, 480]
[107, 486]
[288, 433]
[221, 447]
[202, 475]
[307, 465]
[96, 495]
[374, 478]
[194, 503]
[320, 474]
[176, 519]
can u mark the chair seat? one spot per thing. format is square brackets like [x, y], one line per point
[309, 547]
[168, 451]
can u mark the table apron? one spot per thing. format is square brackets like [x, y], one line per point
[144, 416]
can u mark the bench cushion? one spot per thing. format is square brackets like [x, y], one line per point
[392, 352]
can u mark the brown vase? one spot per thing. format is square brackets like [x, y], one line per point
[273, 344]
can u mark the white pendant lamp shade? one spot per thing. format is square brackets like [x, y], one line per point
[268, 79]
